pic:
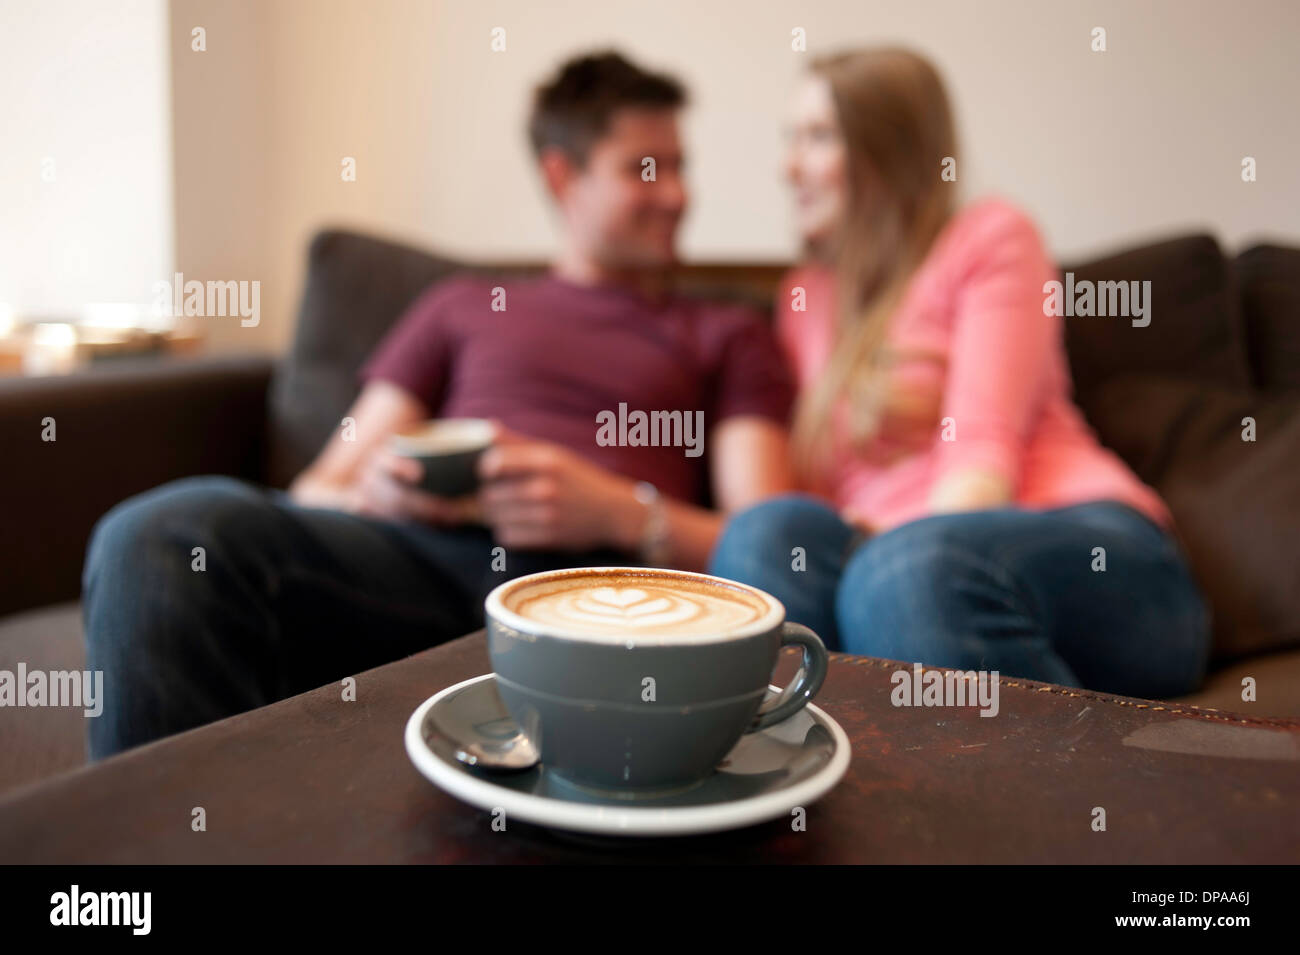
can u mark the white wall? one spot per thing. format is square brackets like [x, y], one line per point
[1143, 138]
[1104, 148]
[86, 86]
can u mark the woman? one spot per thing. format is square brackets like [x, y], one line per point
[973, 519]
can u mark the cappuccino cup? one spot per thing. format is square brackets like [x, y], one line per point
[633, 680]
[448, 449]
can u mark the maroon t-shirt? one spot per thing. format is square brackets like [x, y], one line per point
[558, 361]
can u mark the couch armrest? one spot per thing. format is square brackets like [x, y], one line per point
[117, 431]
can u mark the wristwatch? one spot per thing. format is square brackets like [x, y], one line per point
[654, 536]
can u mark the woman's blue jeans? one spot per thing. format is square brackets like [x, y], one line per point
[1094, 595]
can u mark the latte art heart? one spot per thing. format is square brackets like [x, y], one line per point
[617, 596]
[604, 607]
[631, 606]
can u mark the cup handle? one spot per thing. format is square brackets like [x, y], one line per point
[806, 682]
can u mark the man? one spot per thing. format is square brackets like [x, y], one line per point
[356, 566]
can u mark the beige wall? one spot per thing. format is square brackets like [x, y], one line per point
[225, 162]
[1104, 148]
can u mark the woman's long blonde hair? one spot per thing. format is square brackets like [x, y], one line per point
[898, 134]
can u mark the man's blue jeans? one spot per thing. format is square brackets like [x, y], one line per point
[287, 599]
[1012, 590]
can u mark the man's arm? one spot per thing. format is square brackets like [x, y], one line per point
[361, 476]
[538, 494]
[333, 478]
[750, 460]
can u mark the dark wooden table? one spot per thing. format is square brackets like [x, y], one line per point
[316, 779]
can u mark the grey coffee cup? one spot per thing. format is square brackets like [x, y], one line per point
[629, 713]
[448, 450]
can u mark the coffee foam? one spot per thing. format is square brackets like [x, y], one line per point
[444, 436]
[613, 605]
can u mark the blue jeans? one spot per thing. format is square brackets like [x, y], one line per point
[1009, 590]
[289, 599]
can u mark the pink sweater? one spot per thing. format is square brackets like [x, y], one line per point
[976, 305]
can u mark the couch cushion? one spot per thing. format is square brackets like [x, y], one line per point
[36, 742]
[1269, 279]
[1277, 686]
[1195, 329]
[357, 287]
[1236, 503]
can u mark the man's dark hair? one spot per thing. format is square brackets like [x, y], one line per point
[574, 109]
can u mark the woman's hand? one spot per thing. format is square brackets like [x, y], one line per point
[858, 520]
[970, 489]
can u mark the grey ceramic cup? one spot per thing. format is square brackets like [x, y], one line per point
[581, 699]
[448, 449]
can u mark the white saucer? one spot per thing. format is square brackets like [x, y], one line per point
[765, 776]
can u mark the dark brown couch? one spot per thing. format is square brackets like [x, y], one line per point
[1223, 344]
